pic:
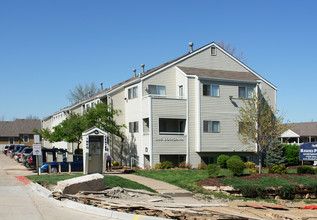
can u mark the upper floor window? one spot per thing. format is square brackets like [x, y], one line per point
[26, 138]
[169, 126]
[212, 126]
[245, 92]
[134, 127]
[92, 104]
[213, 51]
[156, 90]
[211, 90]
[180, 91]
[133, 92]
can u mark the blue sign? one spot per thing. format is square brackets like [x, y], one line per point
[308, 152]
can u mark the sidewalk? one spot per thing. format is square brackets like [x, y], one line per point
[179, 195]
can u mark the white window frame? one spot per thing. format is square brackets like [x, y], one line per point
[157, 89]
[248, 92]
[133, 92]
[213, 51]
[208, 126]
[28, 138]
[134, 127]
[181, 91]
[210, 90]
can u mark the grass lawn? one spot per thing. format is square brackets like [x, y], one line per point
[110, 181]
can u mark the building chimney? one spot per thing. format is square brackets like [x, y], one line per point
[142, 65]
[134, 72]
[101, 86]
[191, 44]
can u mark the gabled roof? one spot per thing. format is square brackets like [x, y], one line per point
[220, 74]
[19, 126]
[304, 128]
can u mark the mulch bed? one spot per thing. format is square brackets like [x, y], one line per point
[251, 177]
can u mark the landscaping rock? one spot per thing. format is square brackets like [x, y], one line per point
[92, 182]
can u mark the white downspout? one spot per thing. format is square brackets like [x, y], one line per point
[151, 132]
[187, 117]
[198, 136]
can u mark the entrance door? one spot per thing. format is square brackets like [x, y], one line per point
[95, 154]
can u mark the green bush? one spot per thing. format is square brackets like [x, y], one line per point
[287, 191]
[115, 163]
[222, 160]
[202, 166]
[305, 169]
[213, 170]
[292, 154]
[167, 165]
[236, 166]
[235, 157]
[251, 167]
[158, 166]
[277, 169]
[185, 165]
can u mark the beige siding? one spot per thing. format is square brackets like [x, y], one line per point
[165, 78]
[223, 110]
[204, 60]
[78, 110]
[270, 93]
[168, 144]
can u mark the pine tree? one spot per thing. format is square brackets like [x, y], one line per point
[275, 154]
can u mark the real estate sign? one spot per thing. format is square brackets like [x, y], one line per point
[308, 152]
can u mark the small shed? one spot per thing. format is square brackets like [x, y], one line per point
[94, 150]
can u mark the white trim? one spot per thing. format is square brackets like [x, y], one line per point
[228, 80]
[151, 132]
[198, 132]
[124, 85]
[187, 123]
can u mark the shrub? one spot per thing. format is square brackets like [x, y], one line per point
[167, 165]
[236, 166]
[115, 163]
[213, 170]
[287, 191]
[277, 169]
[275, 154]
[158, 166]
[251, 167]
[202, 166]
[222, 160]
[305, 169]
[185, 165]
[235, 157]
[292, 154]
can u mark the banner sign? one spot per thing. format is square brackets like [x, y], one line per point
[308, 152]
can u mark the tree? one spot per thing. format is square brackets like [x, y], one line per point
[232, 50]
[70, 130]
[30, 116]
[259, 124]
[275, 154]
[81, 92]
[45, 133]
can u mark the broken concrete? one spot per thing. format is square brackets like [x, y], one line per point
[92, 182]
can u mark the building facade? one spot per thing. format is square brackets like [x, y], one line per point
[183, 110]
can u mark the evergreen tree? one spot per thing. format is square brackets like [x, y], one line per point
[275, 154]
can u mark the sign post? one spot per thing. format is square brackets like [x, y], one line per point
[37, 151]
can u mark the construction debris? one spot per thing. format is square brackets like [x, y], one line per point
[146, 203]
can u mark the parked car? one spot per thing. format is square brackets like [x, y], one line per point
[23, 154]
[4, 150]
[76, 165]
[31, 159]
[10, 148]
[17, 148]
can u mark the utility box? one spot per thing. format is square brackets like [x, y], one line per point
[59, 157]
[70, 157]
[49, 157]
[94, 149]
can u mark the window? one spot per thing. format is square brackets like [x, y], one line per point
[146, 125]
[213, 51]
[133, 92]
[245, 92]
[11, 140]
[172, 126]
[156, 90]
[87, 106]
[212, 126]
[180, 91]
[134, 127]
[92, 104]
[211, 90]
[26, 138]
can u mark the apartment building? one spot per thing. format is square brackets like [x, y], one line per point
[182, 110]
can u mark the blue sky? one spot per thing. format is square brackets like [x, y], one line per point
[49, 47]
